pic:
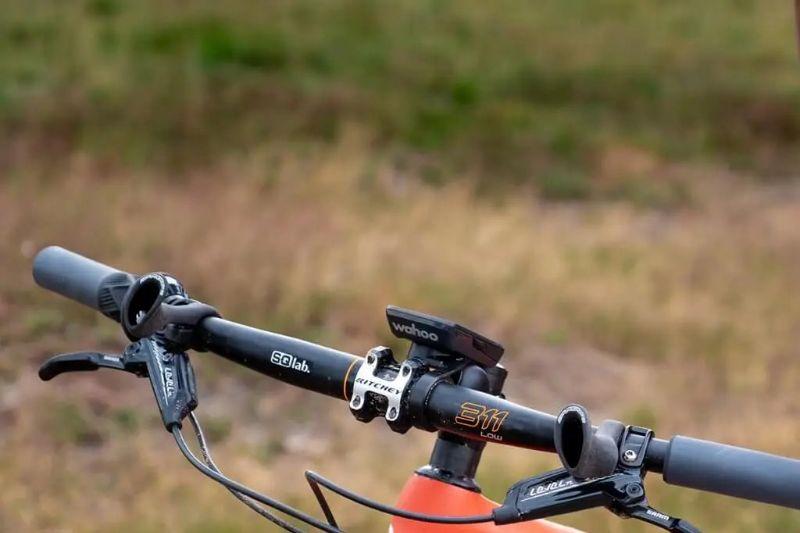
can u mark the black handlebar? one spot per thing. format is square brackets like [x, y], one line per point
[294, 361]
[733, 471]
[478, 415]
[435, 406]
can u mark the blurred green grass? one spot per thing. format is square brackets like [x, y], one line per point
[505, 92]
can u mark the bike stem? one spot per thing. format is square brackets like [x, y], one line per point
[454, 459]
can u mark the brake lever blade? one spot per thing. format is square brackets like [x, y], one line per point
[78, 362]
[647, 514]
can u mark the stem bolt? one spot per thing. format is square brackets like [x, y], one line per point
[629, 456]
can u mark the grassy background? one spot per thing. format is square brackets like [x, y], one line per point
[608, 187]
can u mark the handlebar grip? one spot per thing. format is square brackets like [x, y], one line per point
[733, 471]
[81, 279]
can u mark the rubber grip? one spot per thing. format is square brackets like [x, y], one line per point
[72, 275]
[733, 471]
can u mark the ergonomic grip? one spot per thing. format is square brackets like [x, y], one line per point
[739, 472]
[81, 279]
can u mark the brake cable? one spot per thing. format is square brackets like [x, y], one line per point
[246, 494]
[315, 480]
[235, 486]
[203, 445]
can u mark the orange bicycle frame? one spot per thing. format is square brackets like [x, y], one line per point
[426, 495]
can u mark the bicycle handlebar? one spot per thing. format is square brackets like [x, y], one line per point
[443, 406]
[294, 361]
[82, 279]
[733, 471]
[72, 275]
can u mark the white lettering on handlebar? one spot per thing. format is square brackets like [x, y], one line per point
[288, 360]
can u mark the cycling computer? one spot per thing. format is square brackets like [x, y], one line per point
[443, 336]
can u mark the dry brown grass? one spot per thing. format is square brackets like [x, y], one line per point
[684, 319]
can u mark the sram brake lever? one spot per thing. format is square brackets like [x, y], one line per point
[169, 370]
[171, 376]
[557, 492]
[603, 466]
[78, 362]
[549, 494]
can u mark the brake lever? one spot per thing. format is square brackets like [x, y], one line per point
[171, 377]
[552, 493]
[603, 467]
[169, 370]
[645, 513]
[557, 492]
[78, 362]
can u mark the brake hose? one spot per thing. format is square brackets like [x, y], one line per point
[314, 478]
[201, 442]
[246, 495]
[244, 490]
